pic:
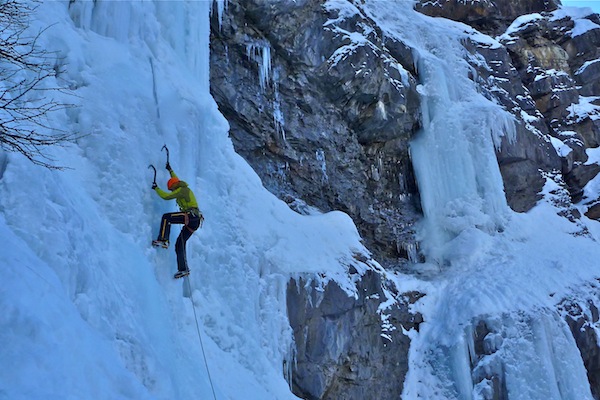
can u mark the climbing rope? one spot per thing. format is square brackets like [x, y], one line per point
[189, 288]
[41, 277]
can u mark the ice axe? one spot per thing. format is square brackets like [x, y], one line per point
[154, 181]
[167, 150]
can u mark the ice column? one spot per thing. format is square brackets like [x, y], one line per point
[454, 156]
[184, 24]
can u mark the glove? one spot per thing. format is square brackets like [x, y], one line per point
[154, 185]
[168, 167]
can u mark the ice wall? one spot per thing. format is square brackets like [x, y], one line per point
[137, 72]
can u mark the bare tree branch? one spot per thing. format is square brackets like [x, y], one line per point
[25, 99]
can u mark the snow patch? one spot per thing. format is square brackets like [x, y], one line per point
[518, 25]
[561, 148]
[585, 108]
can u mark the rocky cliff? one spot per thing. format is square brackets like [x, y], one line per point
[311, 126]
[544, 71]
[326, 124]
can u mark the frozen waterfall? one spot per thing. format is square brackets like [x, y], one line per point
[453, 155]
[90, 309]
[485, 256]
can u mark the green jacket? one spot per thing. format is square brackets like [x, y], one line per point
[182, 194]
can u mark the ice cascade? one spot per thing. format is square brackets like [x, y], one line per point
[482, 260]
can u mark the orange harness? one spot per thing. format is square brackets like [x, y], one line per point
[187, 221]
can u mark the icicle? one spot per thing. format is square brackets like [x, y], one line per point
[411, 250]
[382, 110]
[81, 13]
[289, 363]
[188, 37]
[221, 7]
[112, 19]
[320, 155]
[260, 52]
[278, 118]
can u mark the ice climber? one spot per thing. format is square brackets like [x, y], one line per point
[189, 215]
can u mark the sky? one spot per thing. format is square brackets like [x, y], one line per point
[593, 4]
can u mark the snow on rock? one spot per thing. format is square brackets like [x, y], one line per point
[585, 65]
[585, 108]
[519, 24]
[561, 148]
[579, 16]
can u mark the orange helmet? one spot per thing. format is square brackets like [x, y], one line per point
[172, 182]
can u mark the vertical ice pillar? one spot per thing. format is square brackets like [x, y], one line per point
[453, 155]
[186, 26]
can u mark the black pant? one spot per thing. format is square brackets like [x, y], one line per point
[191, 222]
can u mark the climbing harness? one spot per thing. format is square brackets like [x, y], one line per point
[189, 289]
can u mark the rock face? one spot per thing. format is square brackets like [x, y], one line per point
[318, 132]
[547, 64]
[522, 160]
[488, 16]
[545, 72]
[326, 122]
[342, 352]
[324, 136]
[583, 320]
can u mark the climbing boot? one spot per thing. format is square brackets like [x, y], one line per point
[161, 243]
[181, 274]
